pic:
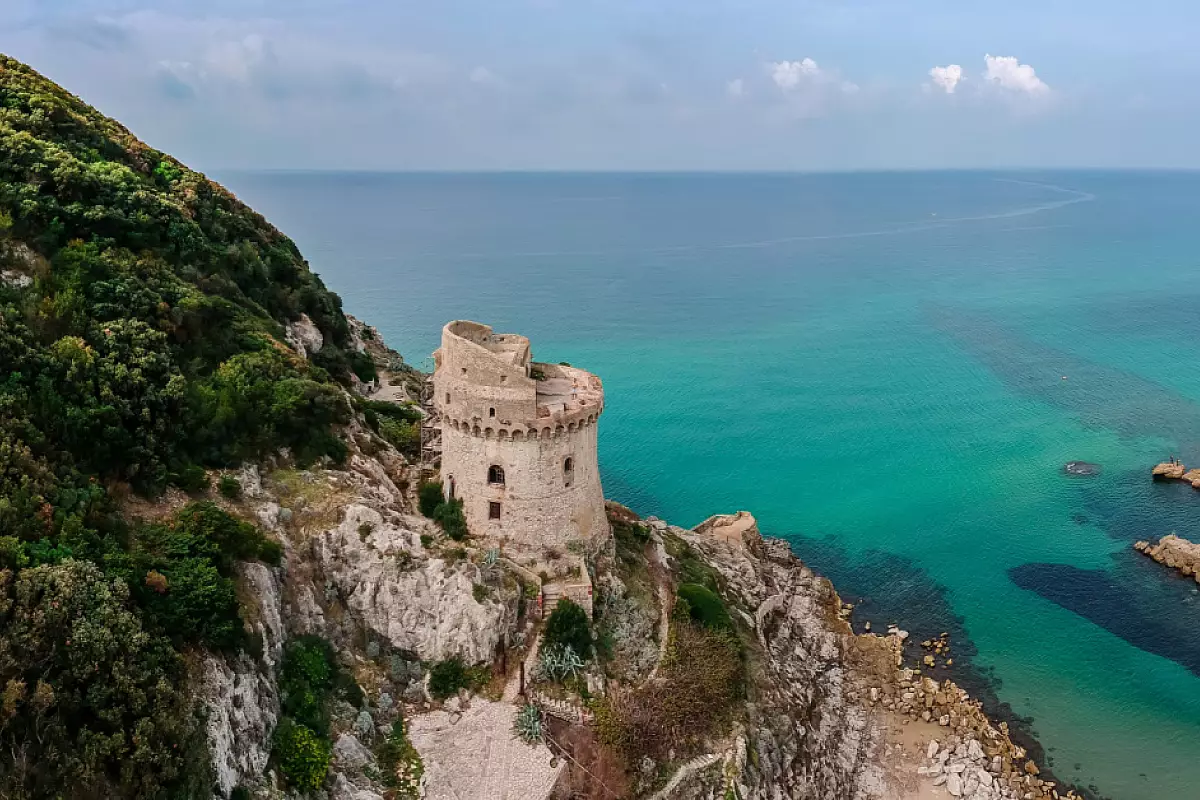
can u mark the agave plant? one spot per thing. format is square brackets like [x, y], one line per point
[559, 662]
[491, 557]
[528, 724]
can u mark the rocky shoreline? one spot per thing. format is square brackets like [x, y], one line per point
[1174, 552]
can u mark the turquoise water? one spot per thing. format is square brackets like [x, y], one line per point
[888, 369]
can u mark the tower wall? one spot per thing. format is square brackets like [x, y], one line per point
[537, 507]
[494, 413]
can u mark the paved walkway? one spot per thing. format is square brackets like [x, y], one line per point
[476, 756]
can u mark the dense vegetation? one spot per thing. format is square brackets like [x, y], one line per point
[142, 319]
[309, 679]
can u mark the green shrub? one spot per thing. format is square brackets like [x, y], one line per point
[450, 516]
[229, 487]
[182, 573]
[568, 625]
[702, 605]
[404, 436]
[270, 552]
[447, 677]
[430, 496]
[96, 704]
[306, 677]
[302, 755]
[191, 479]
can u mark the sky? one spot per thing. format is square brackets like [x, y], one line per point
[631, 84]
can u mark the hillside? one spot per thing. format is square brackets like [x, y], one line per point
[145, 318]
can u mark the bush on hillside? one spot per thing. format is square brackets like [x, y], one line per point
[303, 756]
[701, 604]
[568, 626]
[701, 680]
[429, 497]
[449, 515]
[92, 701]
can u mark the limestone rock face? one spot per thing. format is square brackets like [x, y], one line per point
[240, 695]
[425, 606]
[812, 741]
[304, 336]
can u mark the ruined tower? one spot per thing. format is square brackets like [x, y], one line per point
[519, 441]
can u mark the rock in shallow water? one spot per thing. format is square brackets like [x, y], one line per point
[1081, 468]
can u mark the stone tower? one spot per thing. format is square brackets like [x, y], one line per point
[519, 442]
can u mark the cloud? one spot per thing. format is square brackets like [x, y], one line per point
[239, 59]
[735, 87]
[790, 74]
[1008, 73]
[947, 78]
[482, 75]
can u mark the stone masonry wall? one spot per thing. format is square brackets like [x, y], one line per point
[538, 508]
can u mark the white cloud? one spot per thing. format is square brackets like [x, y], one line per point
[1008, 73]
[238, 59]
[735, 88]
[482, 75]
[947, 78]
[789, 74]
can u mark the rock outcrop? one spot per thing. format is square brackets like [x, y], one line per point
[240, 694]
[304, 336]
[823, 698]
[425, 605]
[1174, 552]
[1175, 471]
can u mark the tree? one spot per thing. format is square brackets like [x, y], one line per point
[93, 704]
[568, 626]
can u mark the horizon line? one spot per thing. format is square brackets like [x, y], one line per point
[686, 171]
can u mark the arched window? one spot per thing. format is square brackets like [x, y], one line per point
[491, 412]
[568, 471]
[450, 488]
[496, 475]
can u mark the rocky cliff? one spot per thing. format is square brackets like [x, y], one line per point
[824, 713]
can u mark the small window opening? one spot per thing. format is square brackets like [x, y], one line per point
[503, 378]
[447, 397]
[491, 412]
[496, 475]
[493, 510]
[464, 370]
[569, 471]
[450, 488]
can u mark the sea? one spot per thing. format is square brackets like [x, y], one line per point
[890, 370]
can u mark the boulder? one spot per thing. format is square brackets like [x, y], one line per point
[1168, 471]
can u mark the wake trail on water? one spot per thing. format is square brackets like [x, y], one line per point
[1075, 196]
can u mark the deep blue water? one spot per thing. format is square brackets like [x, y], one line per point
[890, 370]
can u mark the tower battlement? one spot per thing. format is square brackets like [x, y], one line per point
[519, 440]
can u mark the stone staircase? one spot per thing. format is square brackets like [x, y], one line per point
[567, 710]
[684, 772]
[579, 593]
